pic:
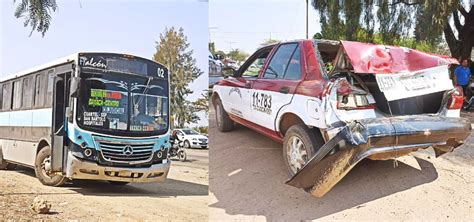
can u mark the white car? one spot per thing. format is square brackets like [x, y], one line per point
[191, 138]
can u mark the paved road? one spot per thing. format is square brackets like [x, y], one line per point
[248, 174]
[184, 196]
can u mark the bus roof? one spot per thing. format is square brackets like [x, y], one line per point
[40, 67]
[60, 61]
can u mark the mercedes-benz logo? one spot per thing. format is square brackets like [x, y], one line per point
[128, 150]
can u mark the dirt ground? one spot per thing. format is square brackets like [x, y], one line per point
[183, 196]
[248, 174]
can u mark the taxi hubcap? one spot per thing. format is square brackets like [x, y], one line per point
[296, 153]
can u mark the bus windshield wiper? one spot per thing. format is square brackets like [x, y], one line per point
[144, 91]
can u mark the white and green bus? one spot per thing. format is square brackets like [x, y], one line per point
[98, 116]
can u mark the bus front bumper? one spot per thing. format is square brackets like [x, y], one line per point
[80, 169]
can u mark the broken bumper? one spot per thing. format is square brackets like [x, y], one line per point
[80, 169]
[380, 138]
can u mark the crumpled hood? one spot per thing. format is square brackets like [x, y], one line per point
[372, 58]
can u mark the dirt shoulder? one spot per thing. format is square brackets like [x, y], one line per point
[184, 196]
[247, 183]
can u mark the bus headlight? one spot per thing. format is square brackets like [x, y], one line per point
[88, 152]
[83, 145]
[162, 152]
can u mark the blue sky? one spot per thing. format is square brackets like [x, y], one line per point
[244, 24]
[104, 25]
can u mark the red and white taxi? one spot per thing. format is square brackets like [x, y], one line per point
[332, 104]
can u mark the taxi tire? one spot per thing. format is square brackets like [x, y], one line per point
[56, 180]
[225, 124]
[312, 142]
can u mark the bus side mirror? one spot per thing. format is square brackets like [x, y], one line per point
[74, 87]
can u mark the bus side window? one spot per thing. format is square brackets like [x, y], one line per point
[28, 89]
[16, 94]
[40, 90]
[7, 95]
[49, 92]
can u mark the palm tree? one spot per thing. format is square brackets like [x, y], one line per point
[37, 13]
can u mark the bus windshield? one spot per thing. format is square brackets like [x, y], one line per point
[122, 104]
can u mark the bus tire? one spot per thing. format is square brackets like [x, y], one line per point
[118, 183]
[223, 121]
[43, 159]
[299, 145]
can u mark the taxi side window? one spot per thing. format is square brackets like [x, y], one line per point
[293, 72]
[254, 68]
[281, 61]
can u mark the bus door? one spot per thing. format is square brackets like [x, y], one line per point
[60, 101]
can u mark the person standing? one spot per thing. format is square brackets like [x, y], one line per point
[463, 78]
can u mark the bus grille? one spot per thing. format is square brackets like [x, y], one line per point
[126, 153]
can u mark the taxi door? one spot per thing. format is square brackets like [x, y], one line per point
[276, 85]
[235, 92]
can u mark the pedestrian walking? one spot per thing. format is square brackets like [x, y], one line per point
[462, 76]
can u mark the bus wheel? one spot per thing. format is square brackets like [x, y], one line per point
[43, 169]
[118, 183]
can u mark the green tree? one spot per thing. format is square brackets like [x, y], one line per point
[202, 129]
[172, 51]
[36, 13]
[420, 22]
[212, 47]
[269, 42]
[202, 104]
[237, 55]
[221, 54]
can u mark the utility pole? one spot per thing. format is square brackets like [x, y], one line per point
[230, 45]
[307, 36]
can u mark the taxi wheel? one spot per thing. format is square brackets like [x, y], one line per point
[300, 144]
[224, 123]
[43, 169]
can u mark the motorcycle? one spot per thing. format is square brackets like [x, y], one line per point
[177, 150]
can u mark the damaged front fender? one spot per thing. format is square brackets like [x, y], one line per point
[380, 138]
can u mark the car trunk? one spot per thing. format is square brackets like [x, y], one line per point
[380, 104]
[423, 104]
[413, 82]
